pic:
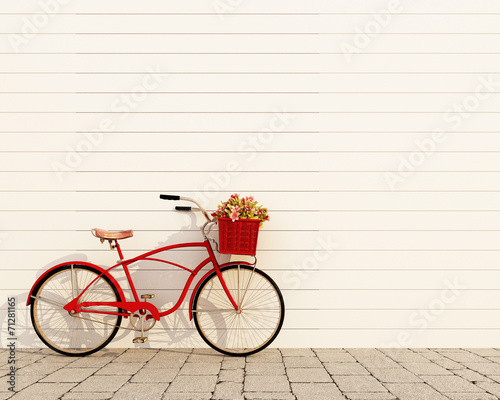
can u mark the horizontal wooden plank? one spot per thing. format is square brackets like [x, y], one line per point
[255, 43]
[280, 220]
[268, 240]
[274, 200]
[329, 300]
[245, 63]
[254, 122]
[177, 337]
[299, 261]
[460, 280]
[266, 161]
[149, 101]
[363, 319]
[230, 83]
[262, 6]
[243, 24]
[247, 181]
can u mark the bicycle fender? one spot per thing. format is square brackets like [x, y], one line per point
[101, 270]
[204, 277]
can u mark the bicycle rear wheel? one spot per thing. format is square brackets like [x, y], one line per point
[78, 334]
[254, 325]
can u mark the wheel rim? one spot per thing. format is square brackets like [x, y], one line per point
[239, 332]
[79, 333]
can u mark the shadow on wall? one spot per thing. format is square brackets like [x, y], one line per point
[165, 281]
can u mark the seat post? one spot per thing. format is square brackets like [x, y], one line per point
[117, 246]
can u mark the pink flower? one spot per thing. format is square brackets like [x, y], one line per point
[235, 213]
[267, 218]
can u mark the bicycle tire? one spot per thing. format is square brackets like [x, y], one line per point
[225, 329]
[55, 326]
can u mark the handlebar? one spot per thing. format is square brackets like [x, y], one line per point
[169, 197]
[181, 208]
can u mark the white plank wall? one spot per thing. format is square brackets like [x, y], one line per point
[378, 155]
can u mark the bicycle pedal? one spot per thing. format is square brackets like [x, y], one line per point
[147, 296]
[140, 339]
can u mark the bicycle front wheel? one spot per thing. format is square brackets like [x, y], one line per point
[254, 325]
[78, 334]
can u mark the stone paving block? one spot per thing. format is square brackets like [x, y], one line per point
[471, 396]
[136, 356]
[414, 391]
[204, 358]
[233, 362]
[175, 353]
[265, 369]
[432, 355]
[134, 391]
[317, 391]
[109, 352]
[27, 359]
[370, 396]
[90, 362]
[40, 369]
[331, 349]
[155, 375]
[485, 352]
[336, 357]
[426, 369]
[87, 396]
[69, 375]
[186, 396]
[484, 368]
[201, 368]
[490, 387]
[297, 353]
[101, 383]
[472, 376]
[235, 375]
[408, 357]
[268, 396]
[366, 353]
[394, 375]
[308, 375]
[451, 384]
[228, 390]
[303, 362]
[346, 369]
[448, 364]
[59, 359]
[466, 357]
[256, 383]
[23, 381]
[193, 384]
[120, 369]
[265, 356]
[385, 362]
[362, 383]
[43, 391]
[162, 363]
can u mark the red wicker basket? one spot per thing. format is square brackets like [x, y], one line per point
[238, 237]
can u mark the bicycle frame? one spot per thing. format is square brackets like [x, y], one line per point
[132, 306]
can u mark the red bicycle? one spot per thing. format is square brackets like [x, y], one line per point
[78, 307]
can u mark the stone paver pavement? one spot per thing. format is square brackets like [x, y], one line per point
[274, 374]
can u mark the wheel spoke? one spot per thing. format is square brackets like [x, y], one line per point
[81, 333]
[256, 322]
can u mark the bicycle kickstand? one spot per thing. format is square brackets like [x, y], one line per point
[142, 338]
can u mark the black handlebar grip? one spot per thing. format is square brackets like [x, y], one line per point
[183, 208]
[169, 197]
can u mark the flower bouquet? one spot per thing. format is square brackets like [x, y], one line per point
[239, 220]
